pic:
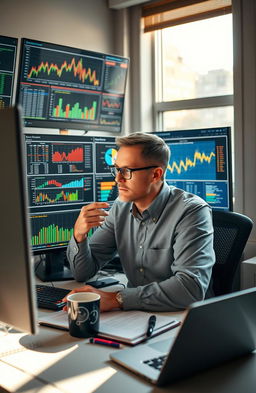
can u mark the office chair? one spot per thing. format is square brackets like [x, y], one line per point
[231, 232]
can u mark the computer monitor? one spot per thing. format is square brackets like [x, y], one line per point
[64, 173]
[71, 88]
[8, 53]
[18, 305]
[200, 163]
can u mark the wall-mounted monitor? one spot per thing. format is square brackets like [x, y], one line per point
[8, 53]
[70, 88]
[200, 163]
[63, 174]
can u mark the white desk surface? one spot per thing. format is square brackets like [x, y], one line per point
[52, 361]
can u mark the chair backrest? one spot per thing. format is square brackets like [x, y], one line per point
[231, 232]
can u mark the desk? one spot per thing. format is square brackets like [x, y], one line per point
[53, 361]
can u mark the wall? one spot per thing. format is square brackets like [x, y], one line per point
[83, 23]
[244, 16]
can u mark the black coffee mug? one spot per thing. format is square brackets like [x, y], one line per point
[83, 314]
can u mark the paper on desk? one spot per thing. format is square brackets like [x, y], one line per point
[126, 326]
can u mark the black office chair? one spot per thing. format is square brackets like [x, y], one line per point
[231, 232]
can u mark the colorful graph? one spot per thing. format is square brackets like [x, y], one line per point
[75, 154]
[76, 68]
[78, 183]
[107, 190]
[198, 163]
[110, 121]
[110, 156]
[75, 111]
[113, 103]
[52, 234]
[51, 197]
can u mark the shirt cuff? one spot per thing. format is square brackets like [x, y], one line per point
[130, 299]
[75, 248]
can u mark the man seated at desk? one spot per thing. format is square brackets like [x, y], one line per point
[163, 235]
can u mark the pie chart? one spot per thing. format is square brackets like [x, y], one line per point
[110, 156]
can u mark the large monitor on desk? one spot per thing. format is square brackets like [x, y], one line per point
[16, 278]
[63, 174]
[71, 88]
[200, 163]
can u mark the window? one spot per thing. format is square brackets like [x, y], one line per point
[194, 74]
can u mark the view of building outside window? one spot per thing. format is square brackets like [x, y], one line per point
[198, 118]
[197, 63]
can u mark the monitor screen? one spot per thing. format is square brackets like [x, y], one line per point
[63, 174]
[70, 88]
[8, 52]
[18, 306]
[200, 163]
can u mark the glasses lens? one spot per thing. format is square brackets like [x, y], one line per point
[126, 173]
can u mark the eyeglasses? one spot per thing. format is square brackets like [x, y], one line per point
[126, 173]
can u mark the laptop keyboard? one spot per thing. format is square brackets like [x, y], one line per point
[50, 297]
[156, 363]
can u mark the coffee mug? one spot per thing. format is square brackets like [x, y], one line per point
[83, 314]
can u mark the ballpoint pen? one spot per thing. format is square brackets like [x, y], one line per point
[151, 325]
[102, 341]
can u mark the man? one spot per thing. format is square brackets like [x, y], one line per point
[163, 235]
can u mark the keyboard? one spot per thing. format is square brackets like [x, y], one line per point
[50, 297]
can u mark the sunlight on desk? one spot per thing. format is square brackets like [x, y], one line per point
[15, 380]
[93, 379]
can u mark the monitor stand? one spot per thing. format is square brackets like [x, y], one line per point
[51, 267]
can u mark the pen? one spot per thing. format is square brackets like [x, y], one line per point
[101, 341]
[151, 325]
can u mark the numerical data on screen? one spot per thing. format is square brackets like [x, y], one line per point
[8, 52]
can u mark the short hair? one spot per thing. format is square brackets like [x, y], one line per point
[154, 149]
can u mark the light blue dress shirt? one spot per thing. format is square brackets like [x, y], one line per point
[166, 253]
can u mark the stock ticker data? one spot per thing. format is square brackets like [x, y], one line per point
[8, 53]
[64, 87]
[63, 174]
[200, 163]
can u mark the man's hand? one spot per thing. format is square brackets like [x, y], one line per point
[90, 216]
[107, 299]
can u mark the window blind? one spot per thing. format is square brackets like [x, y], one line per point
[165, 13]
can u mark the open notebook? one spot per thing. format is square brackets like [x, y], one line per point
[129, 327]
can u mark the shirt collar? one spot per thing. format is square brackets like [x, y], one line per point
[155, 209]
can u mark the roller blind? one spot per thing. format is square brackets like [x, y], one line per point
[165, 13]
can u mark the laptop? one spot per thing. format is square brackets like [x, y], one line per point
[213, 331]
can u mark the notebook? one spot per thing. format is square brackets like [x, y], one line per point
[129, 327]
[213, 331]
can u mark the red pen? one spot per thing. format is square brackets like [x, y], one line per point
[101, 341]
